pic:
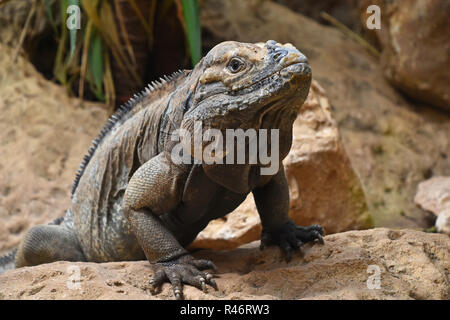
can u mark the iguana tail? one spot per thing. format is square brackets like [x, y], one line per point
[7, 261]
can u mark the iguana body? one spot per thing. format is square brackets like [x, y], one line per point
[131, 201]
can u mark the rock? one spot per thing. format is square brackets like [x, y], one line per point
[408, 264]
[346, 11]
[416, 49]
[316, 166]
[238, 227]
[443, 222]
[434, 195]
[392, 144]
[43, 137]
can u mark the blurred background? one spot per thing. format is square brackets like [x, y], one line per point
[379, 144]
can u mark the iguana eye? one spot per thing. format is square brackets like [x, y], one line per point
[235, 65]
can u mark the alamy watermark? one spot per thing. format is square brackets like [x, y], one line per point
[74, 280]
[374, 281]
[74, 19]
[374, 20]
[213, 147]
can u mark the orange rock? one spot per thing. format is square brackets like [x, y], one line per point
[415, 39]
[324, 188]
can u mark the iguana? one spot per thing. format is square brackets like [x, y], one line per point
[131, 201]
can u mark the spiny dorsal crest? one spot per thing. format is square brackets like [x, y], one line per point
[118, 115]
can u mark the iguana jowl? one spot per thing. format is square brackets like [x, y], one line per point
[131, 201]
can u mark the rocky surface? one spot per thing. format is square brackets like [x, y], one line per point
[316, 166]
[414, 36]
[434, 195]
[392, 143]
[410, 265]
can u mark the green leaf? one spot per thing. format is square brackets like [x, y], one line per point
[73, 32]
[49, 11]
[95, 59]
[192, 20]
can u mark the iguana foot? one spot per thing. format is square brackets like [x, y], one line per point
[182, 270]
[311, 233]
[291, 237]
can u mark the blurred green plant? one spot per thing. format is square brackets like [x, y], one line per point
[192, 29]
[85, 54]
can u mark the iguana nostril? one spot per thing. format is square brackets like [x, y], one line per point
[279, 54]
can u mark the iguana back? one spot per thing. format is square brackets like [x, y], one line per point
[128, 140]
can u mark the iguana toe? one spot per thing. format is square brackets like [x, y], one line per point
[185, 270]
[157, 280]
[203, 264]
[311, 233]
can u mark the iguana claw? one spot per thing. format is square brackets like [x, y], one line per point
[202, 281]
[291, 237]
[184, 270]
[178, 294]
[311, 233]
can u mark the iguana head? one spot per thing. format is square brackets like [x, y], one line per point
[237, 84]
[243, 86]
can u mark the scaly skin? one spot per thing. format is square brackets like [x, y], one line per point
[131, 201]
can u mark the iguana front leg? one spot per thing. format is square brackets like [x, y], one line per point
[156, 188]
[272, 202]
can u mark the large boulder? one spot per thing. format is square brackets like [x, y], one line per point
[392, 144]
[323, 186]
[370, 264]
[414, 37]
[316, 167]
